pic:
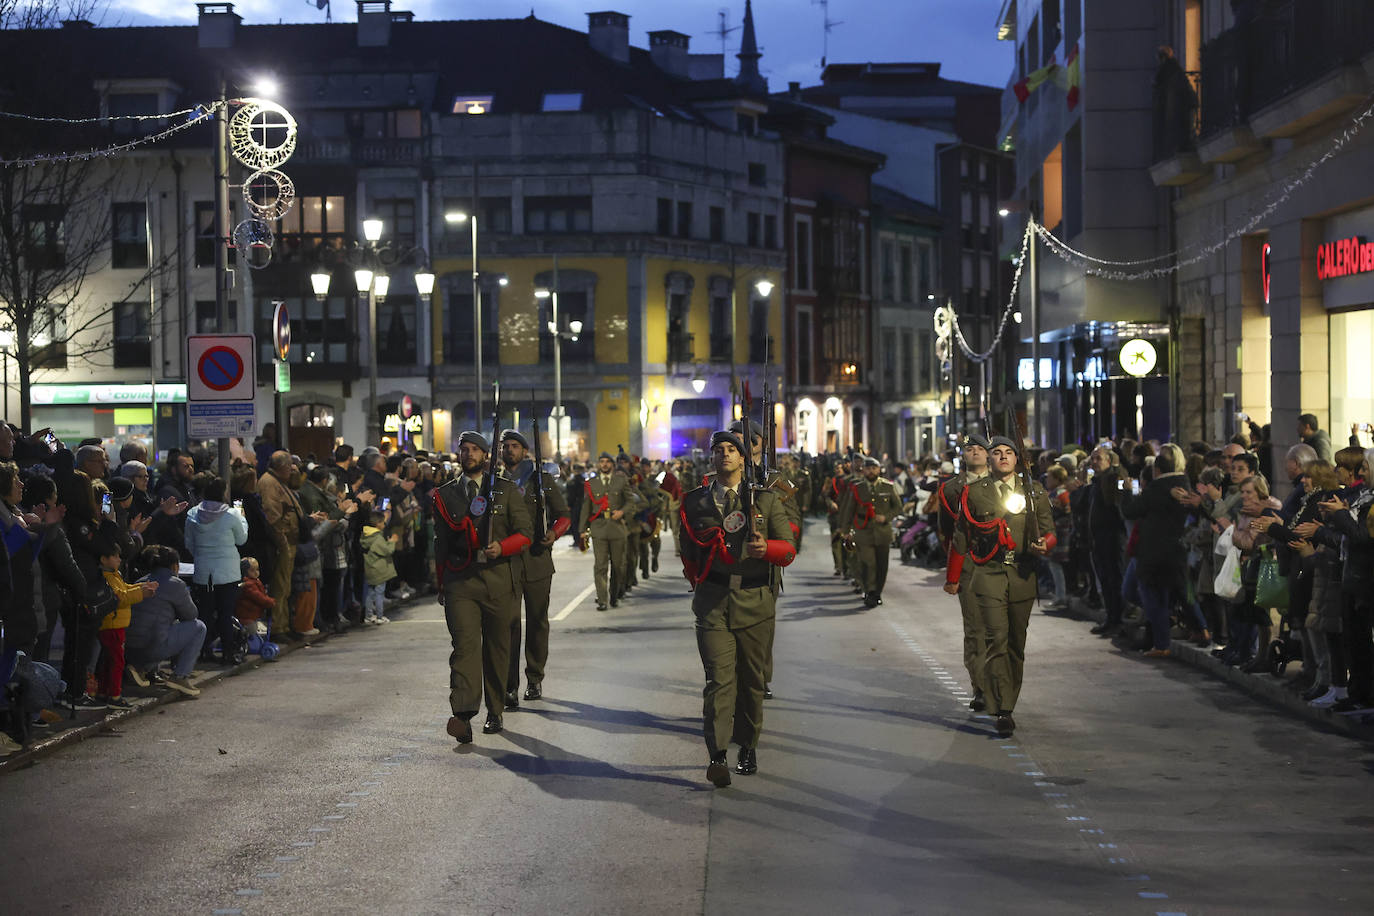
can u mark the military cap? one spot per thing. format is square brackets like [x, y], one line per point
[475, 438]
[871, 462]
[1003, 440]
[755, 429]
[514, 434]
[605, 455]
[977, 439]
[726, 435]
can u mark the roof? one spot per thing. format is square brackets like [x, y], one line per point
[898, 204]
[514, 60]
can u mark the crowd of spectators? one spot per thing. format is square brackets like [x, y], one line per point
[145, 571]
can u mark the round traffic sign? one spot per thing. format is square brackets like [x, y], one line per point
[220, 368]
[281, 330]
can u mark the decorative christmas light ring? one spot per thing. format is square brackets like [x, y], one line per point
[262, 134]
[269, 194]
[253, 237]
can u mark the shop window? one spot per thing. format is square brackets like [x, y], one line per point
[45, 236]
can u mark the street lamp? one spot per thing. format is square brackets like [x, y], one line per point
[6, 344]
[457, 217]
[555, 328]
[698, 383]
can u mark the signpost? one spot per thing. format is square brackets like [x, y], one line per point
[281, 344]
[220, 386]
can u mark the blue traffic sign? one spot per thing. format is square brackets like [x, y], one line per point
[220, 368]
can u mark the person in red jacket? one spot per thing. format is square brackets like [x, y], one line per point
[254, 601]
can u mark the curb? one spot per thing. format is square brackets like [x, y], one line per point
[1260, 686]
[26, 757]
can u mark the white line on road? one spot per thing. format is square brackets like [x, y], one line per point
[581, 596]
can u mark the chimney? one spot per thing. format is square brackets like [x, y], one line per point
[794, 91]
[669, 52]
[217, 26]
[609, 35]
[374, 23]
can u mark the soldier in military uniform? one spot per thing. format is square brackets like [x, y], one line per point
[836, 492]
[476, 540]
[536, 566]
[948, 500]
[650, 518]
[1003, 530]
[634, 505]
[603, 513]
[869, 514]
[729, 560]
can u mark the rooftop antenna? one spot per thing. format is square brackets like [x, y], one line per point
[829, 25]
[323, 5]
[723, 30]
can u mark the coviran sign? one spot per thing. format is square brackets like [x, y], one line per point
[1344, 258]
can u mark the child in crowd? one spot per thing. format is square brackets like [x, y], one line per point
[378, 566]
[253, 598]
[110, 673]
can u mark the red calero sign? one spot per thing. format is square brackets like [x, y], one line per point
[1344, 258]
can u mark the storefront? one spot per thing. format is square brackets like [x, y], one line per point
[1345, 271]
[1103, 380]
[113, 413]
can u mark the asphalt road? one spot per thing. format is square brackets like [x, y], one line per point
[326, 784]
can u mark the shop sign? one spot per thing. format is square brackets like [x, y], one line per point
[58, 395]
[1265, 273]
[1344, 258]
[414, 424]
[1138, 357]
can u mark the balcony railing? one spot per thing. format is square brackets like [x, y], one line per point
[1257, 63]
[722, 348]
[364, 152]
[681, 348]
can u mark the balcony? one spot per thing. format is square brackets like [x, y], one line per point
[1286, 70]
[722, 348]
[360, 152]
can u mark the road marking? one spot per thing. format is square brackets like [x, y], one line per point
[582, 596]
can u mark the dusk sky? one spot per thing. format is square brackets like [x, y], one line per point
[960, 34]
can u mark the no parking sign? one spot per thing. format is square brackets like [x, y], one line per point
[222, 367]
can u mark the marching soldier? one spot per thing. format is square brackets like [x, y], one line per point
[651, 525]
[603, 511]
[729, 559]
[1003, 530]
[836, 492]
[957, 571]
[478, 536]
[536, 566]
[869, 515]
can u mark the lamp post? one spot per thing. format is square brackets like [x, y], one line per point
[375, 285]
[459, 216]
[555, 327]
[764, 287]
[6, 342]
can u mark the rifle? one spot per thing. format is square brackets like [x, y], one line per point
[489, 484]
[541, 511]
[746, 494]
[767, 430]
[1032, 522]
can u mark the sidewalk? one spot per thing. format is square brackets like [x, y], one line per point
[1267, 687]
[70, 730]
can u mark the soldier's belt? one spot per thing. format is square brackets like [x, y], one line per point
[723, 580]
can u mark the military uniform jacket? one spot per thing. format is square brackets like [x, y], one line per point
[948, 499]
[458, 532]
[868, 501]
[536, 562]
[836, 490]
[713, 558]
[601, 499]
[996, 540]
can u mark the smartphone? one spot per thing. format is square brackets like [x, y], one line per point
[1365, 427]
[386, 503]
[1135, 487]
[106, 504]
[1120, 484]
[1091, 472]
[956, 464]
[238, 504]
[1242, 417]
[50, 439]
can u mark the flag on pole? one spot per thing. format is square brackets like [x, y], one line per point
[1074, 78]
[1034, 80]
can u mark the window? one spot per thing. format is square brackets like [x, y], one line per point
[908, 358]
[722, 335]
[887, 268]
[50, 337]
[471, 104]
[925, 360]
[925, 270]
[905, 287]
[45, 236]
[205, 317]
[205, 234]
[752, 230]
[966, 208]
[770, 231]
[316, 220]
[396, 338]
[132, 344]
[398, 219]
[404, 124]
[803, 254]
[684, 219]
[126, 104]
[889, 360]
[129, 242]
[665, 216]
[562, 101]
[322, 333]
[717, 224]
[758, 174]
[760, 342]
[680, 343]
[545, 215]
[456, 321]
[803, 343]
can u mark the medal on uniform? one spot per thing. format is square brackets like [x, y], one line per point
[479, 505]
[734, 521]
